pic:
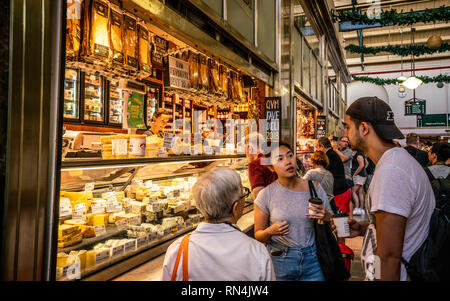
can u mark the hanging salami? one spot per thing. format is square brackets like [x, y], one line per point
[116, 36]
[99, 38]
[203, 73]
[223, 79]
[131, 59]
[144, 49]
[213, 75]
[240, 92]
[193, 70]
[73, 28]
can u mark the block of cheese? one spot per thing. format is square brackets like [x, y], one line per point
[75, 239]
[89, 218]
[68, 237]
[120, 195]
[98, 219]
[61, 259]
[87, 231]
[81, 255]
[137, 207]
[75, 222]
[66, 229]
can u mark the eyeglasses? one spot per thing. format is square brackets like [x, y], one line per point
[244, 196]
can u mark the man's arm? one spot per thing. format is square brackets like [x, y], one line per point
[390, 236]
[343, 157]
[360, 165]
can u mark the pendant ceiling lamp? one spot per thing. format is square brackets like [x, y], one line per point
[412, 82]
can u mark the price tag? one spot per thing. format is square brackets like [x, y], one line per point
[169, 140]
[72, 271]
[100, 230]
[119, 147]
[79, 207]
[102, 256]
[110, 196]
[130, 246]
[141, 241]
[122, 224]
[117, 251]
[79, 215]
[98, 208]
[113, 207]
[138, 182]
[162, 152]
[89, 186]
[65, 210]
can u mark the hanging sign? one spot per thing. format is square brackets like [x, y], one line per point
[432, 120]
[321, 126]
[177, 74]
[415, 107]
[134, 111]
[273, 117]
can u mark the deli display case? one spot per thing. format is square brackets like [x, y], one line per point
[94, 100]
[117, 214]
[116, 102]
[72, 94]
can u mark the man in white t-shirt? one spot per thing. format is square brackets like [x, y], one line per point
[400, 198]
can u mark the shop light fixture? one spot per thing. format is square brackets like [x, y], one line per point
[412, 82]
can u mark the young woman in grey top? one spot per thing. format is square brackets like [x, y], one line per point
[319, 161]
[282, 220]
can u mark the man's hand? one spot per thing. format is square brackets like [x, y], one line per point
[355, 228]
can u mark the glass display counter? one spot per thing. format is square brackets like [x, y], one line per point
[117, 214]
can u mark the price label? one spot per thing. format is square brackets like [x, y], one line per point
[110, 196]
[169, 140]
[102, 256]
[65, 210]
[138, 182]
[97, 208]
[89, 186]
[80, 207]
[100, 230]
[130, 246]
[113, 207]
[117, 251]
[72, 271]
[162, 152]
[141, 241]
[119, 147]
[122, 224]
[79, 215]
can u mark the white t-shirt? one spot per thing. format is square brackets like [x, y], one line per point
[400, 186]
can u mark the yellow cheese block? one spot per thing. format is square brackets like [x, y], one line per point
[82, 256]
[76, 239]
[74, 222]
[140, 195]
[87, 231]
[90, 259]
[99, 219]
[120, 195]
[66, 229]
[61, 259]
[70, 236]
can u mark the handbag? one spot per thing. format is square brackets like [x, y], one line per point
[184, 247]
[328, 252]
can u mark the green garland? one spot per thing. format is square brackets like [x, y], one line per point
[392, 17]
[416, 50]
[392, 81]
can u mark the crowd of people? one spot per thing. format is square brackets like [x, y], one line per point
[364, 172]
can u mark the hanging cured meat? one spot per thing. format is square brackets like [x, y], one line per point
[240, 93]
[130, 42]
[203, 73]
[223, 79]
[99, 39]
[144, 49]
[116, 36]
[73, 28]
[214, 76]
[193, 69]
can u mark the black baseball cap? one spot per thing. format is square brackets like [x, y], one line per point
[378, 113]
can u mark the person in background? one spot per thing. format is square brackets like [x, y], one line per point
[159, 122]
[438, 155]
[359, 178]
[319, 174]
[345, 153]
[412, 141]
[281, 220]
[370, 169]
[341, 190]
[400, 201]
[259, 174]
[217, 249]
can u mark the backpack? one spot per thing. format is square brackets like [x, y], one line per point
[431, 261]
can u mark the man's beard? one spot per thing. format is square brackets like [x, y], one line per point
[359, 144]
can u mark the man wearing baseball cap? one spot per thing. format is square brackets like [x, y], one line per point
[400, 198]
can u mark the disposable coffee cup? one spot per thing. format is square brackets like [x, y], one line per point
[315, 202]
[342, 226]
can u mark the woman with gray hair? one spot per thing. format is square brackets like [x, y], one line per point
[217, 249]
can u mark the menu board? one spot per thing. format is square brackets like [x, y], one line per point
[160, 47]
[273, 116]
[415, 107]
[177, 74]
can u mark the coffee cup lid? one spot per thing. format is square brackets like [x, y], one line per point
[315, 201]
[343, 214]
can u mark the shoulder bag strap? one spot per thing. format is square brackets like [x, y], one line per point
[184, 247]
[429, 174]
